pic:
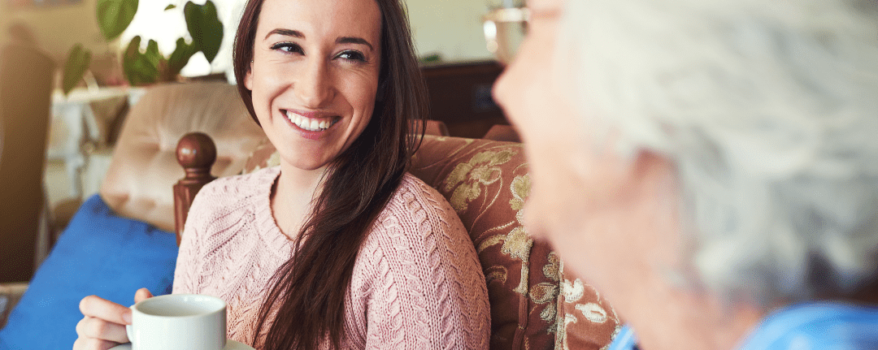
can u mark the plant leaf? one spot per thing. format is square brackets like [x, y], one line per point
[132, 54]
[204, 27]
[170, 7]
[114, 16]
[78, 61]
[180, 57]
[141, 68]
[152, 52]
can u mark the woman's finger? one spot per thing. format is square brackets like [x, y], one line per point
[141, 295]
[92, 344]
[95, 328]
[101, 308]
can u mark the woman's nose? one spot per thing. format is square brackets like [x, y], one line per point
[314, 87]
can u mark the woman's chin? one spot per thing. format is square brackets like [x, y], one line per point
[298, 162]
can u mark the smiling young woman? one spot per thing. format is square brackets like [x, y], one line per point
[335, 85]
[338, 247]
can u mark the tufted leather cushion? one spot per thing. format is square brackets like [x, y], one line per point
[139, 181]
[486, 182]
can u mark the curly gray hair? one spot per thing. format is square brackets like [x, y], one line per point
[769, 111]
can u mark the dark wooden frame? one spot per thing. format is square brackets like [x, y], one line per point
[196, 153]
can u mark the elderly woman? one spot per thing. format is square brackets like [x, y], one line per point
[710, 166]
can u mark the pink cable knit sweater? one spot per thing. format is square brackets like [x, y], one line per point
[417, 282]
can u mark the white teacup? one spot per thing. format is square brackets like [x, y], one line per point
[178, 322]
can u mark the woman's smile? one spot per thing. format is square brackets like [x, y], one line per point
[311, 124]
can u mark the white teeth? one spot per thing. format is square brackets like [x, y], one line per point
[308, 124]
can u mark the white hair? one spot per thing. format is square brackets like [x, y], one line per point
[769, 112]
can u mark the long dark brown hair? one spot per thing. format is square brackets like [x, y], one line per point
[308, 291]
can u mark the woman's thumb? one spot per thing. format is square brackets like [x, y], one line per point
[141, 295]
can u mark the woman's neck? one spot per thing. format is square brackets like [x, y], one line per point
[668, 317]
[292, 197]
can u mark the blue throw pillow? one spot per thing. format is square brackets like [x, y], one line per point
[99, 253]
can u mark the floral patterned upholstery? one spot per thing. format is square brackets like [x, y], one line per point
[534, 305]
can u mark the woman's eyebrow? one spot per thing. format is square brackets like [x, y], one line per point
[354, 40]
[286, 32]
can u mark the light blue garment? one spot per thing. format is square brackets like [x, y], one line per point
[813, 326]
[817, 326]
[625, 340]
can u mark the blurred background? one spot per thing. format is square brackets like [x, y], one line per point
[449, 28]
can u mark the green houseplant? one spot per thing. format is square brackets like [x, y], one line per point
[148, 66]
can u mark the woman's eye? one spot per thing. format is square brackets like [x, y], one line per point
[288, 47]
[352, 56]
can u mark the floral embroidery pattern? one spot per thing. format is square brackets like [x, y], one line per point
[593, 314]
[552, 270]
[496, 273]
[520, 189]
[572, 291]
[517, 244]
[547, 292]
[467, 178]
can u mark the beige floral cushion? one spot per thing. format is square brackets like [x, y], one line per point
[534, 305]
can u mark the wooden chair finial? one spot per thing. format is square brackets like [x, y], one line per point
[196, 152]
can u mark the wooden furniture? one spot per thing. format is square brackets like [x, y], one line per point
[460, 96]
[196, 152]
[25, 99]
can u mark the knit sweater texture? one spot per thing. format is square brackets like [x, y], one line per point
[417, 282]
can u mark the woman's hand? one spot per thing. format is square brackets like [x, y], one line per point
[103, 326]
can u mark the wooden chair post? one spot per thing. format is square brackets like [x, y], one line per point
[196, 152]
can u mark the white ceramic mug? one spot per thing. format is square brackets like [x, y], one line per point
[178, 322]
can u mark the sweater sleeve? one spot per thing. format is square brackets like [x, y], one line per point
[427, 286]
